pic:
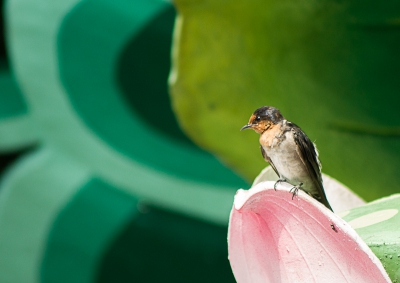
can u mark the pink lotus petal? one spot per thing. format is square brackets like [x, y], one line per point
[273, 238]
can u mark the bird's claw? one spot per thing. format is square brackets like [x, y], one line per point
[279, 181]
[294, 190]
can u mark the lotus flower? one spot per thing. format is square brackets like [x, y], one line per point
[274, 238]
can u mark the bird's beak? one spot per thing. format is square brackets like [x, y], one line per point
[246, 127]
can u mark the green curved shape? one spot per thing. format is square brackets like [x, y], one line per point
[32, 193]
[319, 62]
[102, 233]
[89, 77]
[82, 232]
[60, 125]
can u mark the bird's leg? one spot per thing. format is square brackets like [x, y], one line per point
[295, 189]
[280, 180]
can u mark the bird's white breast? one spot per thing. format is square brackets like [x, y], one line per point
[283, 154]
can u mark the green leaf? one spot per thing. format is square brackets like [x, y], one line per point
[377, 223]
[330, 66]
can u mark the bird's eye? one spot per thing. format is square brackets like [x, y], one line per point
[257, 119]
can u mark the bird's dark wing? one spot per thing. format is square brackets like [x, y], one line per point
[309, 156]
[266, 157]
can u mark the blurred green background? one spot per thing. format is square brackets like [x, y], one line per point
[102, 184]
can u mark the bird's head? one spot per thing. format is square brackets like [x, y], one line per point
[263, 118]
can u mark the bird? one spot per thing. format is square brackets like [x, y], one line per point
[289, 151]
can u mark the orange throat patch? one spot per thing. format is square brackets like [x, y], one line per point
[267, 138]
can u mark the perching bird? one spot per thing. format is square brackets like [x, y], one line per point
[289, 151]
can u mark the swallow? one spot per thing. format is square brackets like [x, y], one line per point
[292, 155]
